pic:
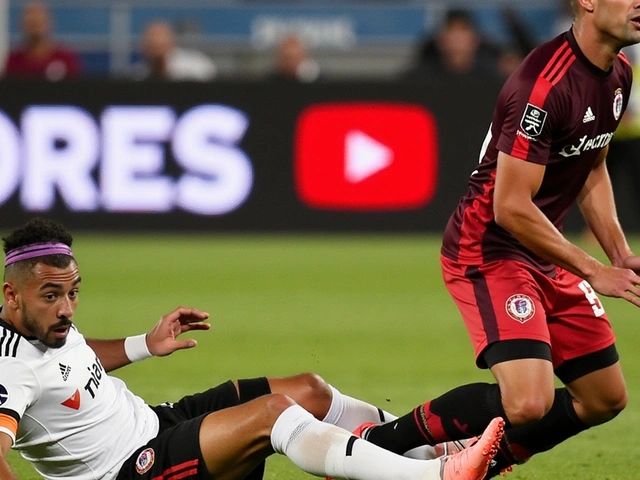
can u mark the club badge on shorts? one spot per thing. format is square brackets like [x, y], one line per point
[145, 460]
[520, 307]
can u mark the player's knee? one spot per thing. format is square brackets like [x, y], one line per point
[275, 404]
[527, 408]
[314, 394]
[605, 408]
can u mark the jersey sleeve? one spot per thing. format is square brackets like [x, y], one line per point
[19, 388]
[531, 112]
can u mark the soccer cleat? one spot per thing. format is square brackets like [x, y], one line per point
[452, 447]
[362, 429]
[473, 462]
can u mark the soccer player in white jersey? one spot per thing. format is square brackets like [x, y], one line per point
[65, 414]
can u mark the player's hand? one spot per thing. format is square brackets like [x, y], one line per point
[162, 339]
[632, 262]
[618, 282]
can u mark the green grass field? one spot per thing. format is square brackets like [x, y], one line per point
[368, 313]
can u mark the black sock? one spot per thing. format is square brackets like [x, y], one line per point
[463, 412]
[561, 422]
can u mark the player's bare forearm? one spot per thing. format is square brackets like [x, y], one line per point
[517, 183]
[5, 446]
[597, 204]
[534, 230]
[110, 353]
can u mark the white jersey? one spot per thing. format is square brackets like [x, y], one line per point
[64, 413]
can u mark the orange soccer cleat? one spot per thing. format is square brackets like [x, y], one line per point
[473, 462]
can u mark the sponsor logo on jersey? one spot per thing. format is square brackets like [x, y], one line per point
[73, 401]
[95, 375]
[145, 460]
[520, 307]
[65, 370]
[588, 116]
[533, 120]
[617, 103]
[584, 144]
[4, 394]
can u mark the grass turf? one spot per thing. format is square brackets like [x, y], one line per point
[368, 313]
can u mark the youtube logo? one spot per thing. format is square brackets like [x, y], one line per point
[365, 156]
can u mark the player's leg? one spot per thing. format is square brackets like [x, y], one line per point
[586, 361]
[327, 403]
[236, 439]
[503, 306]
[599, 396]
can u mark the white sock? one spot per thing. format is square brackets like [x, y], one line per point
[349, 413]
[326, 450]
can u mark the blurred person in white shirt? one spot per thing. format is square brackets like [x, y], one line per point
[164, 60]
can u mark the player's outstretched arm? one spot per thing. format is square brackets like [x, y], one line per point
[162, 340]
[5, 446]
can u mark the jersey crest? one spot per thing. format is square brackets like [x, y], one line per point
[618, 101]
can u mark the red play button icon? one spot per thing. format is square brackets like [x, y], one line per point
[366, 156]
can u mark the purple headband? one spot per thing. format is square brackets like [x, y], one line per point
[36, 250]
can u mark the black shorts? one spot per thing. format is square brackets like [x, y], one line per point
[175, 452]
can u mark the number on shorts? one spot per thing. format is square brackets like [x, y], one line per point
[593, 299]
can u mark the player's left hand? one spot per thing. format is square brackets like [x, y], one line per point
[162, 339]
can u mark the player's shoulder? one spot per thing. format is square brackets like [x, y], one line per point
[10, 341]
[547, 57]
[623, 66]
[548, 60]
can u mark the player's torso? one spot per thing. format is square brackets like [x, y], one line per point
[75, 421]
[75, 392]
[586, 108]
[558, 110]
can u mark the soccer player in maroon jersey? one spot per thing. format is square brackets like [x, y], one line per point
[528, 296]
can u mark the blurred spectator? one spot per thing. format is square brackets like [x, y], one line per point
[458, 48]
[39, 56]
[293, 62]
[164, 60]
[522, 42]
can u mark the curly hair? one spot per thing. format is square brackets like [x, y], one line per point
[40, 230]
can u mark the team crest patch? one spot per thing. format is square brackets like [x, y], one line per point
[533, 120]
[520, 307]
[617, 103]
[145, 460]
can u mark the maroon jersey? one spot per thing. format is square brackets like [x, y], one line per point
[58, 64]
[559, 110]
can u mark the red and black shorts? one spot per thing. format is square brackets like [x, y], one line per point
[509, 300]
[175, 452]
